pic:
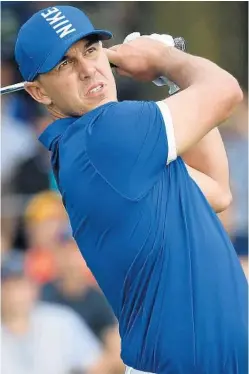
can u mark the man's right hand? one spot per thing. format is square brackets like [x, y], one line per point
[208, 93]
[139, 58]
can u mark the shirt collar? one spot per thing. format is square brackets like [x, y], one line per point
[58, 127]
[54, 131]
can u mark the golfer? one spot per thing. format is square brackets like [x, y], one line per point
[142, 182]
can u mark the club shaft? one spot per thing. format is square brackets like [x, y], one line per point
[12, 88]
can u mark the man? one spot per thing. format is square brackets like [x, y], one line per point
[147, 230]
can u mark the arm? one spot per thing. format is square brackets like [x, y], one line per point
[211, 189]
[209, 157]
[110, 362]
[208, 96]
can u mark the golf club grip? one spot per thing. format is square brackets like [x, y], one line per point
[180, 44]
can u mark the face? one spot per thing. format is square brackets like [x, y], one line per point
[70, 262]
[47, 225]
[18, 295]
[47, 234]
[82, 81]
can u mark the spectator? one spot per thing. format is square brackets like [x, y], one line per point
[46, 220]
[18, 141]
[46, 230]
[17, 144]
[31, 175]
[74, 287]
[40, 338]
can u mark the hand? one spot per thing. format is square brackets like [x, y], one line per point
[140, 58]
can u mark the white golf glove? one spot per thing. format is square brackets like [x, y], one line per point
[167, 40]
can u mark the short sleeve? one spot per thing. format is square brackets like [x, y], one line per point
[128, 146]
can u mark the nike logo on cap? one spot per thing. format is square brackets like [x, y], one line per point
[56, 19]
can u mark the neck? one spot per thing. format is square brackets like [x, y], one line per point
[55, 113]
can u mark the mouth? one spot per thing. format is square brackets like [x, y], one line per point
[95, 89]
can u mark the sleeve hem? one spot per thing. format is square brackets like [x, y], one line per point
[164, 109]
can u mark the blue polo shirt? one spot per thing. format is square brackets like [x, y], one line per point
[153, 243]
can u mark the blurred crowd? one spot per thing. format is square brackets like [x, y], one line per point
[55, 320]
[54, 317]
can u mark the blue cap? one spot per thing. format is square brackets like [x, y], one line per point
[45, 38]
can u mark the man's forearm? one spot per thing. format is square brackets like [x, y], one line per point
[208, 97]
[185, 69]
[209, 157]
[212, 190]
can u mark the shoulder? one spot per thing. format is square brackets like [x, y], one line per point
[122, 120]
[46, 311]
[127, 109]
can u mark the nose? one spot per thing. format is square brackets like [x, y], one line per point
[86, 68]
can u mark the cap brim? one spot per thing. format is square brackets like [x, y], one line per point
[55, 57]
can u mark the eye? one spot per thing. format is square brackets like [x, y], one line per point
[64, 63]
[91, 50]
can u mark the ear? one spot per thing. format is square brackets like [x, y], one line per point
[38, 93]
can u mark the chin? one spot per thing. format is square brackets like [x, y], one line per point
[87, 107]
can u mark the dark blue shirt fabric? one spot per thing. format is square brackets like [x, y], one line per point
[153, 243]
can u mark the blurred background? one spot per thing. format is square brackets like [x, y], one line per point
[55, 319]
